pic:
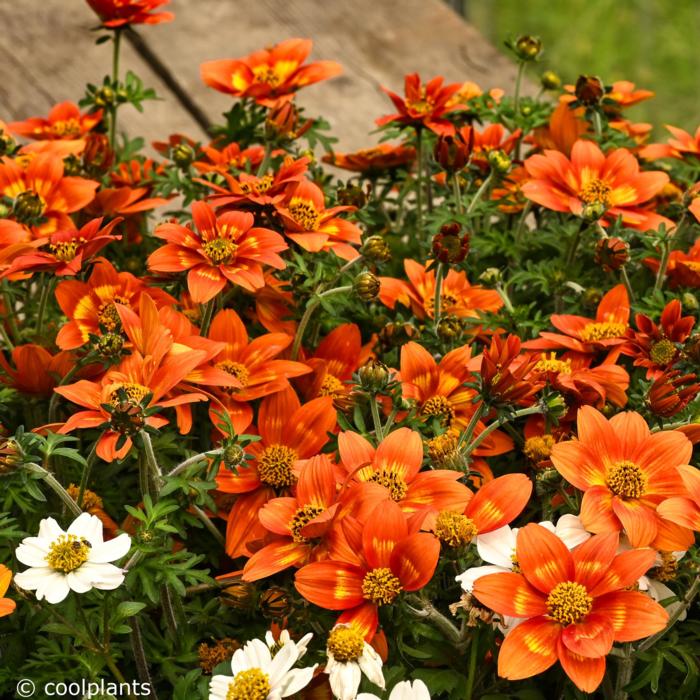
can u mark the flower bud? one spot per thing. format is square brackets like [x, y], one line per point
[449, 327]
[611, 253]
[282, 122]
[352, 196]
[499, 161]
[233, 456]
[396, 334]
[182, 154]
[374, 376]
[491, 275]
[452, 153]
[7, 144]
[550, 80]
[376, 249]
[593, 211]
[110, 345]
[105, 97]
[11, 456]
[366, 285]
[238, 595]
[690, 301]
[449, 246]
[97, 155]
[28, 207]
[72, 165]
[527, 48]
[555, 406]
[589, 90]
[275, 603]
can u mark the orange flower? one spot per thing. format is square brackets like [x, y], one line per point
[493, 138]
[671, 393]
[683, 268]
[574, 604]
[680, 146]
[459, 298]
[387, 561]
[7, 606]
[298, 523]
[274, 306]
[684, 510]
[64, 122]
[218, 251]
[440, 393]
[269, 75]
[591, 183]
[374, 160]
[66, 250]
[90, 305]
[625, 472]
[309, 224]
[124, 390]
[230, 156]
[395, 466]
[110, 201]
[423, 105]
[36, 371]
[607, 332]
[658, 347]
[42, 197]
[139, 173]
[118, 13]
[253, 363]
[290, 433]
[566, 126]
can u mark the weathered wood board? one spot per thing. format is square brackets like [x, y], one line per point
[47, 54]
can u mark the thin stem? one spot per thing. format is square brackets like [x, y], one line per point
[521, 223]
[626, 282]
[139, 652]
[46, 289]
[156, 475]
[166, 604]
[437, 302]
[457, 190]
[471, 427]
[390, 420]
[53, 403]
[190, 461]
[5, 336]
[116, 45]
[471, 673]
[497, 424]
[265, 163]
[85, 478]
[375, 417]
[56, 487]
[625, 666]
[574, 246]
[207, 313]
[479, 193]
[206, 521]
[518, 85]
[10, 309]
[419, 187]
[598, 124]
[663, 265]
[310, 308]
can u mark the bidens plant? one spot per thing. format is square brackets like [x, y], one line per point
[419, 424]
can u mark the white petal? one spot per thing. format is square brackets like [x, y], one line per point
[78, 583]
[106, 577]
[416, 691]
[468, 578]
[497, 547]
[87, 526]
[50, 530]
[570, 530]
[111, 550]
[371, 665]
[296, 680]
[218, 688]
[284, 659]
[303, 643]
[259, 656]
[240, 662]
[54, 587]
[367, 696]
[345, 680]
[547, 525]
[32, 578]
[32, 551]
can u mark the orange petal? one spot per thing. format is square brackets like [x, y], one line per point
[274, 558]
[414, 559]
[385, 527]
[528, 649]
[586, 673]
[401, 453]
[681, 511]
[624, 571]
[596, 511]
[498, 502]
[365, 617]
[641, 523]
[593, 558]
[592, 637]
[333, 585]
[633, 614]
[543, 558]
[510, 594]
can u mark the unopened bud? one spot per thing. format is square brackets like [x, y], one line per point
[450, 245]
[376, 249]
[499, 161]
[451, 153]
[182, 154]
[28, 207]
[611, 253]
[373, 376]
[589, 90]
[367, 285]
[527, 47]
[550, 80]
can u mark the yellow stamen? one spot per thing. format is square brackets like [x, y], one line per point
[602, 331]
[596, 192]
[252, 684]
[302, 517]
[569, 603]
[454, 529]
[381, 586]
[305, 214]
[440, 407]
[552, 364]
[392, 481]
[68, 553]
[626, 480]
[345, 643]
[539, 447]
[220, 251]
[275, 466]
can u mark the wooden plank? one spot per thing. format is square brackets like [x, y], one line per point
[49, 54]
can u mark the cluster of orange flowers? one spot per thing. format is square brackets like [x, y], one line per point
[368, 458]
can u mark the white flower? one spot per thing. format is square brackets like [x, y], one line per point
[77, 559]
[497, 548]
[257, 675]
[284, 638]
[349, 656]
[403, 691]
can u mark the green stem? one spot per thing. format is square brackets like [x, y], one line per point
[265, 163]
[140, 653]
[5, 336]
[190, 461]
[598, 124]
[625, 667]
[375, 417]
[419, 186]
[85, 478]
[471, 674]
[471, 426]
[46, 289]
[497, 424]
[663, 265]
[207, 313]
[626, 282]
[521, 223]
[437, 301]
[10, 310]
[518, 85]
[115, 79]
[56, 487]
[479, 193]
[154, 471]
[574, 246]
[457, 190]
[53, 403]
[310, 308]
[206, 521]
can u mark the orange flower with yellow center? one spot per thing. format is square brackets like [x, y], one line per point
[64, 121]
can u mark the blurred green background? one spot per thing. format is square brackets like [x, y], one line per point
[653, 43]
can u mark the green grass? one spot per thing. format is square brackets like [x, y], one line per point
[650, 42]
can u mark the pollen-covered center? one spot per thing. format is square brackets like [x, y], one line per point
[380, 586]
[107, 314]
[515, 566]
[439, 407]
[345, 643]
[305, 214]
[663, 352]
[569, 602]
[539, 447]
[65, 129]
[68, 553]
[552, 364]
[302, 517]
[596, 191]
[251, 684]
[454, 529]
[275, 466]
[392, 481]
[236, 369]
[626, 479]
[131, 393]
[65, 250]
[602, 331]
[422, 104]
[259, 186]
[332, 386]
[220, 251]
[268, 75]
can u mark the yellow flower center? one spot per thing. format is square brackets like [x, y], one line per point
[626, 480]
[238, 370]
[392, 481]
[303, 517]
[447, 302]
[107, 314]
[539, 447]
[132, 393]
[260, 186]
[332, 386]
[65, 250]
[515, 568]
[345, 643]
[602, 331]
[252, 684]
[422, 105]
[663, 352]
[569, 603]
[68, 553]
[67, 129]
[439, 407]
[668, 569]
[442, 449]
[304, 213]
[454, 529]
[552, 364]
[275, 466]
[596, 192]
[220, 251]
[268, 75]
[380, 586]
